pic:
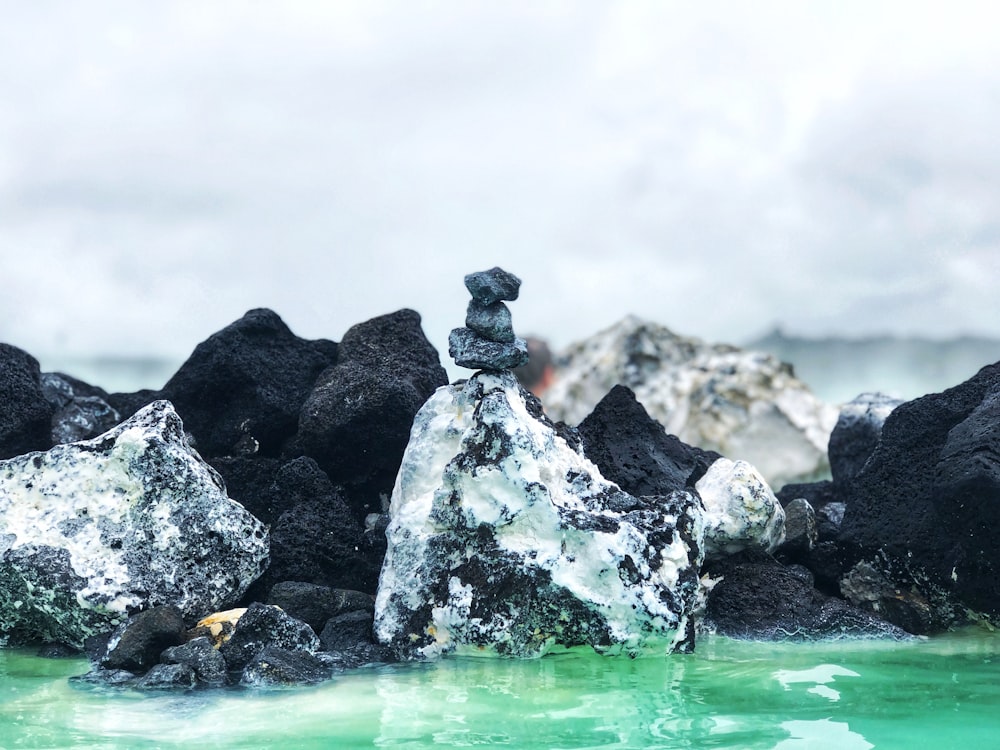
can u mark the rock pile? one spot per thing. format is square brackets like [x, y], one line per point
[488, 341]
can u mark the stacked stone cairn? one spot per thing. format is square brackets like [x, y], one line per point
[488, 341]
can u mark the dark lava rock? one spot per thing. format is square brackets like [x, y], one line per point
[262, 626]
[634, 450]
[866, 586]
[202, 657]
[136, 644]
[250, 482]
[800, 529]
[25, 414]
[167, 677]
[492, 286]
[356, 421]
[81, 410]
[318, 539]
[278, 666]
[315, 604]
[492, 322]
[928, 498]
[347, 630]
[857, 432]
[758, 599]
[471, 350]
[241, 390]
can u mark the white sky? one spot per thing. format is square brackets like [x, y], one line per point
[716, 167]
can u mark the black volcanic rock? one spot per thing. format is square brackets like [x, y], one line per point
[634, 450]
[136, 645]
[240, 391]
[356, 421]
[928, 498]
[263, 626]
[25, 415]
[315, 604]
[856, 434]
[759, 599]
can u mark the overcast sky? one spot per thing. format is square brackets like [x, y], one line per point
[716, 167]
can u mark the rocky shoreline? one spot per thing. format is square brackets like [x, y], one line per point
[284, 509]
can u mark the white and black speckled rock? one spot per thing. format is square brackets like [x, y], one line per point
[471, 350]
[93, 531]
[505, 540]
[743, 404]
[741, 511]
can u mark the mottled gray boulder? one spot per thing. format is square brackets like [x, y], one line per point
[505, 540]
[471, 350]
[81, 410]
[857, 432]
[801, 533]
[745, 405]
[167, 677]
[25, 414]
[91, 532]
[275, 666]
[356, 421]
[201, 657]
[241, 390]
[928, 498]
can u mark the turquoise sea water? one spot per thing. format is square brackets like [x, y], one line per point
[943, 692]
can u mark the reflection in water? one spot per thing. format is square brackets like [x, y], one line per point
[822, 734]
[819, 676]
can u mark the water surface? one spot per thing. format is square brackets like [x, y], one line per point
[938, 693]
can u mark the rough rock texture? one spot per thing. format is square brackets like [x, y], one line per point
[758, 599]
[81, 410]
[279, 666]
[25, 415]
[857, 432]
[471, 350]
[93, 531]
[314, 604]
[262, 626]
[634, 451]
[801, 533]
[136, 644]
[493, 321]
[745, 405]
[928, 498]
[202, 657]
[241, 390]
[168, 677]
[495, 285]
[741, 512]
[503, 539]
[356, 421]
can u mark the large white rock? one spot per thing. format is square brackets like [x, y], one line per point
[93, 531]
[504, 540]
[744, 404]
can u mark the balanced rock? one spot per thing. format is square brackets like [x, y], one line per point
[91, 532]
[928, 498]
[492, 322]
[476, 352]
[505, 540]
[488, 341]
[743, 404]
[492, 286]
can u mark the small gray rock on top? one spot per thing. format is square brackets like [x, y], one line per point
[493, 285]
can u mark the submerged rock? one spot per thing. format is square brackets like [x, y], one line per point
[505, 540]
[93, 531]
[745, 405]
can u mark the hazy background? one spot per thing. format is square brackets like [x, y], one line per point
[719, 168]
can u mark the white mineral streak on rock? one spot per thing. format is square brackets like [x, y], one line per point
[93, 530]
[743, 404]
[741, 511]
[503, 540]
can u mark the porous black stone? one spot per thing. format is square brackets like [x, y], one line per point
[202, 657]
[493, 285]
[315, 604]
[759, 599]
[136, 644]
[275, 666]
[25, 414]
[492, 322]
[927, 498]
[167, 677]
[856, 434]
[347, 630]
[356, 421]
[471, 350]
[262, 626]
[634, 450]
[241, 390]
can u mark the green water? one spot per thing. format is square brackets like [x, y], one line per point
[939, 693]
